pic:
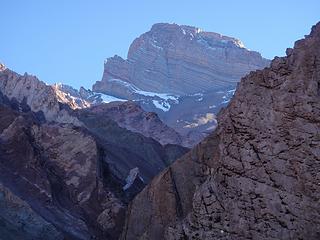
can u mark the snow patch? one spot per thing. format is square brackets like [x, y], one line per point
[199, 30]
[155, 46]
[165, 98]
[232, 91]
[133, 174]
[164, 106]
[108, 98]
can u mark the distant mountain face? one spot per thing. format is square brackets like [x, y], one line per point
[179, 60]
[182, 73]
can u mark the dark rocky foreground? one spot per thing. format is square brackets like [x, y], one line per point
[71, 178]
[258, 175]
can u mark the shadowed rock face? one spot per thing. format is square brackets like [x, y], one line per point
[257, 176]
[64, 181]
[53, 168]
[179, 60]
[125, 150]
[131, 116]
[71, 180]
[18, 221]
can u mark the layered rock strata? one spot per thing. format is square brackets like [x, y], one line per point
[179, 60]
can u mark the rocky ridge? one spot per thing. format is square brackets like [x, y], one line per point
[40, 97]
[255, 177]
[131, 116]
[169, 58]
[64, 171]
[127, 114]
[57, 102]
[82, 98]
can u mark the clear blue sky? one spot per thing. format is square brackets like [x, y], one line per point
[68, 40]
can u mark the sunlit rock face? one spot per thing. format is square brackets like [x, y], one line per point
[182, 73]
[179, 60]
[257, 176]
[82, 98]
[38, 96]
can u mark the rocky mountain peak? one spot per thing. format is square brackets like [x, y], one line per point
[178, 59]
[172, 67]
[255, 177]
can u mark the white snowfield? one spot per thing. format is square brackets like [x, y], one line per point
[163, 101]
[161, 105]
[108, 98]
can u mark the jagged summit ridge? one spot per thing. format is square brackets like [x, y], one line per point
[193, 33]
[40, 97]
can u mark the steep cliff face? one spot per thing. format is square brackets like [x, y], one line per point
[257, 176]
[179, 60]
[19, 221]
[182, 73]
[54, 169]
[41, 98]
